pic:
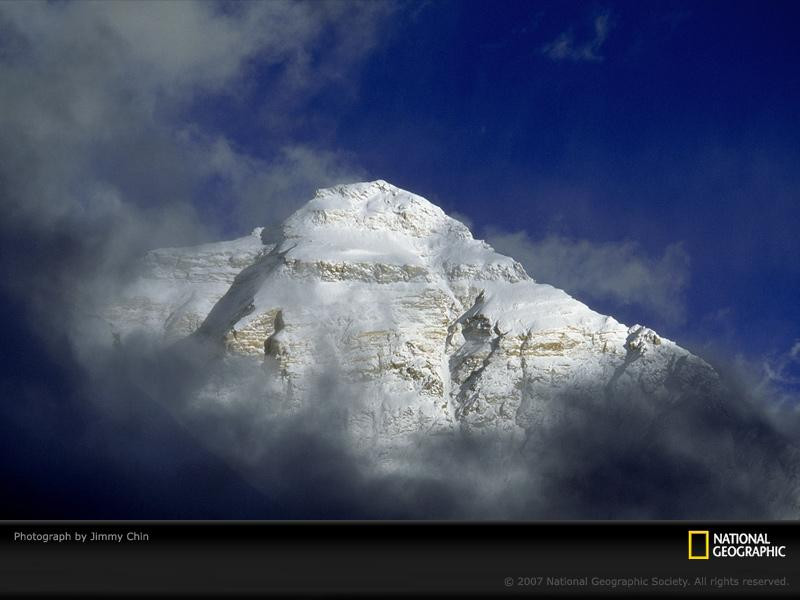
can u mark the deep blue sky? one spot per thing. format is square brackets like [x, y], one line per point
[682, 126]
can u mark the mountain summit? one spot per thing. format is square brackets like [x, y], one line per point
[436, 330]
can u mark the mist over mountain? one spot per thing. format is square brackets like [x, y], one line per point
[372, 345]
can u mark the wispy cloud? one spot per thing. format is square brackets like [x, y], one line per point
[567, 47]
[779, 371]
[616, 271]
[101, 156]
[780, 376]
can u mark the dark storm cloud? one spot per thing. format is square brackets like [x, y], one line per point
[614, 455]
[703, 458]
[299, 464]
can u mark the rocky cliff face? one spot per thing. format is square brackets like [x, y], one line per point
[430, 329]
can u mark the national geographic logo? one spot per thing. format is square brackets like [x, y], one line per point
[698, 545]
[703, 545]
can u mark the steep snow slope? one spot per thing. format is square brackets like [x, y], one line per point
[427, 328]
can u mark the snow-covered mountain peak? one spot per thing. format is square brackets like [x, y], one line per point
[435, 329]
[372, 297]
[375, 206]
[377, 231]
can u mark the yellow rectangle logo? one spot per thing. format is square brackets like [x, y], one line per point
[692, 555]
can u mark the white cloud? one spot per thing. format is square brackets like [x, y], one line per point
[100, 156]
[773, 383]
[81, 78]
[783, 370]
[267, 192]
[616, 271]
[461, 217]
[173, 47]
[566, 47]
